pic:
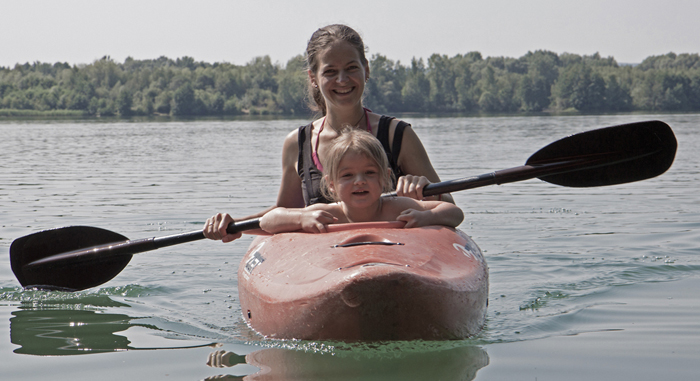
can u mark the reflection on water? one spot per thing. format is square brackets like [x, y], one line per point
[52, 332]
[65, 331]
[60, 332]
[389, 361]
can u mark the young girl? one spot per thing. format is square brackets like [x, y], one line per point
[356, 174]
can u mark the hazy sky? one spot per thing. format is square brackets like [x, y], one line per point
[80, 31]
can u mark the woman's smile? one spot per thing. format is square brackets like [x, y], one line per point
[341, 75]
[344, 91]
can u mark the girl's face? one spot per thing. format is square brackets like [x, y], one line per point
[358, 182]
[341, 75]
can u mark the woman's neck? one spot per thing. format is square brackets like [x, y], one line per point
[338, 120]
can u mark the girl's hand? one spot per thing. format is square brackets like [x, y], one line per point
[215, 228]
[411, 186]
[414, 218]
[315, 221]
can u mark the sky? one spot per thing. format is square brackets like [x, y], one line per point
[82, 31]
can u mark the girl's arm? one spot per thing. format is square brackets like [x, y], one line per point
[425, 213]
[312, 219]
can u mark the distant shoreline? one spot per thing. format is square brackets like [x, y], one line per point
[539, 81]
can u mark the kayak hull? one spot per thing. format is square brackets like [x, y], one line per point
[365, 282]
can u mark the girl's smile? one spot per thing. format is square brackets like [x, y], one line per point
[358, 185]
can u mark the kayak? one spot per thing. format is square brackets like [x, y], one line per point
[365, 282]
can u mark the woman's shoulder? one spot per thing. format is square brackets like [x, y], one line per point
[291, 141]
[388, 124]
[292, 137]
[290, 147]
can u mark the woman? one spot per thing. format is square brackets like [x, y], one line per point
[338, 70]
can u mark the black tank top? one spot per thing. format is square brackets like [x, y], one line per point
[311, 176]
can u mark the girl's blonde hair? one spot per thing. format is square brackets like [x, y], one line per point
[359, 142]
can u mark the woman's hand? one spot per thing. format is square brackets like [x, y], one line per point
[411, 186]
[215, 228]
[315, 221]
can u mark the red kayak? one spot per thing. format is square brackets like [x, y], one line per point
[369, 281]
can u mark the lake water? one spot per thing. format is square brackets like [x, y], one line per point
[585, 283]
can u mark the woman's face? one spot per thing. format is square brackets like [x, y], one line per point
[341, 75]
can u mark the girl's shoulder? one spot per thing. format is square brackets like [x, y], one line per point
[400, 203]
[332, 207]
[335, 208]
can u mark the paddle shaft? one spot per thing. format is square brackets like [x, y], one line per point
[129, 247]
[510, 175]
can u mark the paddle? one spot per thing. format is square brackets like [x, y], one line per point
[607, 156]
[79, 257]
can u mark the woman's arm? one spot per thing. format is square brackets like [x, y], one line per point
[414, 161]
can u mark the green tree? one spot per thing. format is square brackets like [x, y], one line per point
[383, 90]
[648, 90]
[291, 88]
[579, 87]
[536, 87]
[617, 96]
[416, 89]
[124, 102]
[260, 73]
[465, 85]
[183, 102]
[443, 94]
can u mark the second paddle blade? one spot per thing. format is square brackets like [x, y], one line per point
[73, 276]
[618, 155]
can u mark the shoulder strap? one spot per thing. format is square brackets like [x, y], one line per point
[310, 175]
[392, 149]
[383, 133]
[398, 138]
[304, 141]
[305, 163]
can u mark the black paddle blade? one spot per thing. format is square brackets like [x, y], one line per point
[617, 155]
[72, 277]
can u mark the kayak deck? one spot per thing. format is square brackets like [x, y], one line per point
[365, 282]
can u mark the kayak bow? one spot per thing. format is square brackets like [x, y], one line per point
[368, 282]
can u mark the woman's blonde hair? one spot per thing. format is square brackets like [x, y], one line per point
[359, 142]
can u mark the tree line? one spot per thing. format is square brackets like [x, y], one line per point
[539, 81]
